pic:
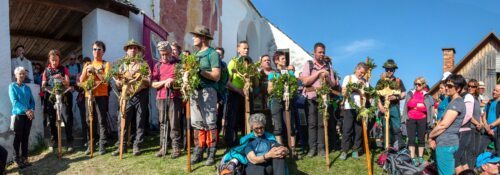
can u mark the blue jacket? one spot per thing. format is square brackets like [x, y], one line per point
[238, 152]
[21, 98]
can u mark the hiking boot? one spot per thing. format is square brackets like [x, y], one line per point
[210, 157]
[26, 162]
[175, 153]
[136, 151]
[19, 162]
[322, 153]
[343, 156]
[87, 152]
[355, 155]
[160, 153]
[102, 150]
[117, 151]
[197, 155]
[311, 153]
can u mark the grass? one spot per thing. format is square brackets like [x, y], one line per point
[78, 163]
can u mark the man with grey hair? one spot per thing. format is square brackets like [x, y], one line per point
[167, 98]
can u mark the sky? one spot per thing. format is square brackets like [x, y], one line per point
[412, 32]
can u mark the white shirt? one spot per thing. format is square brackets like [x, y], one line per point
[354, 95]
[16, 62]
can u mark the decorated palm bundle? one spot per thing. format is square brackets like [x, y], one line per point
[322, 94]
[120, 67]
[279, 86]
[248, 71]
[186, 76]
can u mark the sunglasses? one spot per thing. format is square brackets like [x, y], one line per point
[449, 86]
[417, 84]
[390, 70]
[472, 86]
[97, 49]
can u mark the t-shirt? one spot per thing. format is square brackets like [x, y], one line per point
[259, 146]
[102, 89]
[450, 136]
[491, 110]
[401, 88]
[442, 106]
[208, 59]
[354, 95]
[235, 79]
[416, 112]
[273, 75]
[166, 70]
[306, 72]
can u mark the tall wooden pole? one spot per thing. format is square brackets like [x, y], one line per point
[188, 122]
[91, 118]
[123, 105]
[325, 129]
[247, 103]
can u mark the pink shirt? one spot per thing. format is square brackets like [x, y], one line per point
[414, 112]
[317, 83]
[166, 71]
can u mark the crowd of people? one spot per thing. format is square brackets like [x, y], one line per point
[460, 124]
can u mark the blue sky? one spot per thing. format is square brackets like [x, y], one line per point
[412, 32]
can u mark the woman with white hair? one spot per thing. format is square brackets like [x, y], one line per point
[23, 107]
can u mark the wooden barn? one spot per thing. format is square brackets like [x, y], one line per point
[481, 63]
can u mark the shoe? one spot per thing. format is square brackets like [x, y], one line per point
[51, 149]
[26, 162]
[160, 153]
[117, 151]
[355, 155]
[102, 151]
[322, 153]
[136, 151]
[414, 161]
[69, 149]
[420, 160]
[20, 163]
[211, 156]
[175, 153]
[87, 152]
[197, 155]
[311, 153]
[343, 156]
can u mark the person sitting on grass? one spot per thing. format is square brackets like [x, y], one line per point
[258, 151]
[487, 163]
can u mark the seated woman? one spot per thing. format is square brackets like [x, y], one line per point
[258, 150]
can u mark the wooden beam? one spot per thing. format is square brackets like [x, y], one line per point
[83, 6]
[42, 36]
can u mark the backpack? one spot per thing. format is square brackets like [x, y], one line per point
[399, 163]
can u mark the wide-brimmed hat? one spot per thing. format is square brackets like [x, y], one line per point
[390, 64]
[486, 157]
[202, 31]
[132, 42]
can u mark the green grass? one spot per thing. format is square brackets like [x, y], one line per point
[77, 163]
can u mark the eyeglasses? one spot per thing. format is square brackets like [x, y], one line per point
[97, 49]
[472, 86]
[417, 84]
[390, 70]
[258, 128]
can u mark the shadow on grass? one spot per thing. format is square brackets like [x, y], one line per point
[293, 168]
[49, 164]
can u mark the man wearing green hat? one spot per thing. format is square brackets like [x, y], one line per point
[395, 115]
[203, 102]
[131, 71]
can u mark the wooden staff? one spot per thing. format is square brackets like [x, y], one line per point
[247, 103]
[123, 105]
[364, 99]
[188, 126]
[58, 107]
[324, 97]
[91, 118]
[386, 92]
[288, 122]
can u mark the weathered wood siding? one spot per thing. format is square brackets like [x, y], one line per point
[482, 66]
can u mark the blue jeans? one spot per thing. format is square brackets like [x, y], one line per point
[445, 160]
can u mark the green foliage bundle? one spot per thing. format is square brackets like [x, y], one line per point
[279, 86]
